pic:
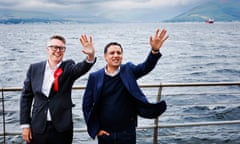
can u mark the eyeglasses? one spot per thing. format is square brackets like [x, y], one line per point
[55, 48]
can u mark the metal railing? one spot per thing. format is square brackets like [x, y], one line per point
[156, 125]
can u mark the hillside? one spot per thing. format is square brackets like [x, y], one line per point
[219, 10]
[8, 16]
[17, 17]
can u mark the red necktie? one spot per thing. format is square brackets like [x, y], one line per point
[57, 73]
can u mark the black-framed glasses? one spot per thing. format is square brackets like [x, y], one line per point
[55, 48]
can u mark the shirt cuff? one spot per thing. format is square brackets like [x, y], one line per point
[25, 126]
[88, 61]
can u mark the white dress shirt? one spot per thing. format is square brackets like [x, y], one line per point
[117, 71]
[48, 82]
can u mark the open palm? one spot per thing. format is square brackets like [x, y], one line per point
[157, 41]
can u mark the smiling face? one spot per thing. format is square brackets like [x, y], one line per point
[55, 50]
[113, 57]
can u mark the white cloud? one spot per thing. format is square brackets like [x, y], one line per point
[132, 4]
[128, 9]
[110, 4]
[18, 4]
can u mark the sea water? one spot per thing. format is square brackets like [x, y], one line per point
[194, 52]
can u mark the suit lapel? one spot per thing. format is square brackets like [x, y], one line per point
[99, 81]
[124, 77]
[130, 84]
[41, 74]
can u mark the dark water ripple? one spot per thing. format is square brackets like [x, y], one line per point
[228, 72]
[219, 113]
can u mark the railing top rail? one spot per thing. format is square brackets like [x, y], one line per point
[200, 84]
[173, 125]
[150, 85]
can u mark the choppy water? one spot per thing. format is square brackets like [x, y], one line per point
[194, 52]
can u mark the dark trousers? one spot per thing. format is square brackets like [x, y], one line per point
[52, 136]
[127, 136]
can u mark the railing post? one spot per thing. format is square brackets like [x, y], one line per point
[3, 116]
[155, 134]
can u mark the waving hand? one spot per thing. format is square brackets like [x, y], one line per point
[157, 41]
[88, 48]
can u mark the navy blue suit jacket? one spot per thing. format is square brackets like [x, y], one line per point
[129, 73]
[59, 103]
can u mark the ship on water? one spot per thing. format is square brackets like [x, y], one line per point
[210, 20]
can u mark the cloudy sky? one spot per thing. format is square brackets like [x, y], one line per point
[111, 9]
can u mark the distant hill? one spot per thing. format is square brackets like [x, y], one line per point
[17, 17]
[8, 16]
[219, 10]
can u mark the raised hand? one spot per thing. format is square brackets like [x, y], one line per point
[157, 41]
[88, 48]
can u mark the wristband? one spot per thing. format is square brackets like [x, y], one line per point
[155, 51]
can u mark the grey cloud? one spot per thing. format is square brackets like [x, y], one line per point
[9, 3]
[71, 2]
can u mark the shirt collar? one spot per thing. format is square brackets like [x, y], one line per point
[112, 74]
[48, 66]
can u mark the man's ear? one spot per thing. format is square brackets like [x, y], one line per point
[105, 57]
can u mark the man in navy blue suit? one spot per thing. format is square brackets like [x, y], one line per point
[113, 99]
[46, 104]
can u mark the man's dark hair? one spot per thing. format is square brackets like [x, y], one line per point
[61, 38]
[110, 44]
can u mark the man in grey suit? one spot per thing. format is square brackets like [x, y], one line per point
[46, 103]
